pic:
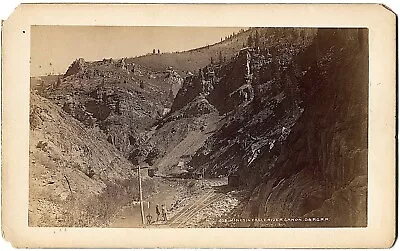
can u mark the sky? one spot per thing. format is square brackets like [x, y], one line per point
[54, 48]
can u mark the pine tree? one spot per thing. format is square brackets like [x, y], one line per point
[256, 39]
[58, 83]
[250, 41]
[220, 57]
[154, 51]
[158, 51]
[212, 60]
[52, 70]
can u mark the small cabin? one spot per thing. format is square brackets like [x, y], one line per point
[234, 180]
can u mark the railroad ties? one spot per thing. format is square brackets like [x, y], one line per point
[185, 215]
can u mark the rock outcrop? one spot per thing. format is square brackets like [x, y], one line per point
[321, 170]
[76, 178]
[293, 125]
[288, 115]
[120, 98]
[77, 66]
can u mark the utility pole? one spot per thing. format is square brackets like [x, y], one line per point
[141, 195]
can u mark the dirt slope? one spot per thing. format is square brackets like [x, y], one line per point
[193, 60]
[76, 177]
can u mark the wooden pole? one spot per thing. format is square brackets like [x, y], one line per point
[141, 195]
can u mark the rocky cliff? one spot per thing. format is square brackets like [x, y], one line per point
[257, 96]
[292, 124]
[76, 177]
[321, 169]
[287, 114]
[121, 99]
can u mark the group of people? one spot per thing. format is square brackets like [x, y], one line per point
[162, 213]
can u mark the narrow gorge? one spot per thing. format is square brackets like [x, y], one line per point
[280, 114]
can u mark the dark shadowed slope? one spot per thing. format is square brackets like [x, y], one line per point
[321, 170]
[294, 124]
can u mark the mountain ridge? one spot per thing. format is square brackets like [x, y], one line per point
[254, 113]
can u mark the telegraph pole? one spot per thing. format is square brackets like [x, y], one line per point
[141, 195]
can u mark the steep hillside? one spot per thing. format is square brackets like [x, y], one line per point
[283, 110]
[255, 87]
[321, 170]
[293, 124]
[193, 60]
[76, 177]
[224, 51]
[121, 99]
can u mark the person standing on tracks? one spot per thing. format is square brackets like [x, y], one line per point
[163, 212]
[149, 219]
[157, 212]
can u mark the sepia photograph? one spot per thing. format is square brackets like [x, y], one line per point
[265, 126]
[198, 127]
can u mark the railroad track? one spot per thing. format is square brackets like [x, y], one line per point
[213, 199]
[187, 214]
[188, 209]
